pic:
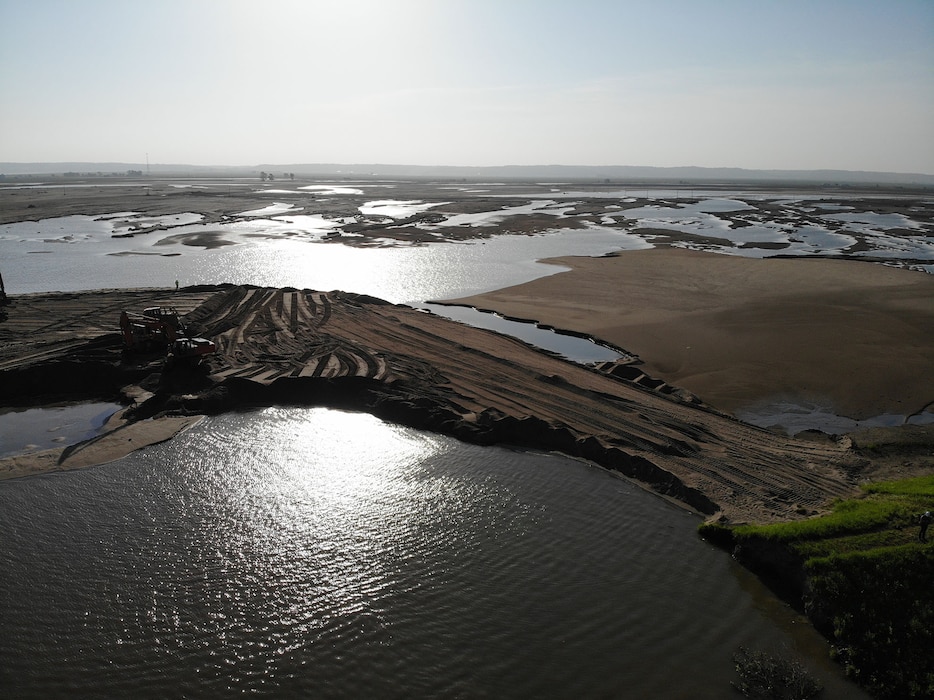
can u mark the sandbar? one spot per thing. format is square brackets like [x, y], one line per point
[353, 352]
[124, 438]
[857, 337]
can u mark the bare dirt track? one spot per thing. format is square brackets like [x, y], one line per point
[346, 350]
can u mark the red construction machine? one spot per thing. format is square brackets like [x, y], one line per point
[161, 328]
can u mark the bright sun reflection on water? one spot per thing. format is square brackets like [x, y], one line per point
[324, 492]
[324, 456]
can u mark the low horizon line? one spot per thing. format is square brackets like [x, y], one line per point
[332, 164]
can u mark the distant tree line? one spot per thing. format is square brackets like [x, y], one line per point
[269, 176]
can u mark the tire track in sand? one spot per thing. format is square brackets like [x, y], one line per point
[473, 377]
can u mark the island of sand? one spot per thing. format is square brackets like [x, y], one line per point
[304, 347]
[854, 336]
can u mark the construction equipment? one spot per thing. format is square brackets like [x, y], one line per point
[161, 328]
[157, 326]
[191, 350]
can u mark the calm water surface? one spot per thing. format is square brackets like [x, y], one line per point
[32, 429]
[309, 552]
[77, 253]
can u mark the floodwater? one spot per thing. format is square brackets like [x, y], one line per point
[311, 552]
[296, 552]
[269, 247]
[33, 429]
[77, 252]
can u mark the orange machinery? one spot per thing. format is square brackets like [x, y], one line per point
[161, 327]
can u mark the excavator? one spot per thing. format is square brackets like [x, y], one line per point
[161, 328]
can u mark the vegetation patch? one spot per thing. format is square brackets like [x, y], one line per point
[864, 578]
[764, 675]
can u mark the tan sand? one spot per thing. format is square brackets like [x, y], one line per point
[349, 351]
[852, 335]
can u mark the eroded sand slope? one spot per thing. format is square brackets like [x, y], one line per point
[278, 345]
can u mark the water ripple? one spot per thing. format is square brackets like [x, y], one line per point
[312, 552]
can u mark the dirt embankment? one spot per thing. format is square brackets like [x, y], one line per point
[350, 351]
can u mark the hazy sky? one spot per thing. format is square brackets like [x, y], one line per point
[789, 84]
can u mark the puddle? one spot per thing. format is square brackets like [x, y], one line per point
[271, 210]
[24, 430]
[395, 208]
[331, 189]
[870, 222]
[570, 347]
[797, 416]
[497, 216]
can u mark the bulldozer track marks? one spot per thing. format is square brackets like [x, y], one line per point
[263, 335]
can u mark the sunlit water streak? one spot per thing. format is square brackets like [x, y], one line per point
[396, 209]
[76, 253]
[271, 210]
[308, 552]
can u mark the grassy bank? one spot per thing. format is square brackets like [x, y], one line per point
[863, 578]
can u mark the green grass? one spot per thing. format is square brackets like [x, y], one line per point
[886, 507]
[920, 487]
[867, 581]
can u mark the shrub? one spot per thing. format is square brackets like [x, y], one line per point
[866, 584]
[764, 675]
[882, 611]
